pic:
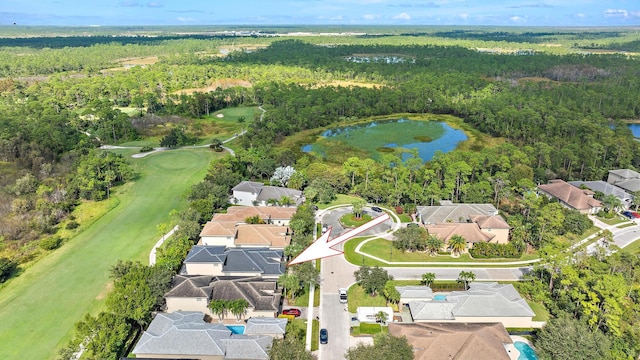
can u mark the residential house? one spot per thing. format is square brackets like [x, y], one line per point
[185, 335]
[273, 215]
[474, 222]
[606, 188]
[483, 302]
[626, 179]
[245, 235]
[195, 292]
[220, 260]
[464, 341]
[571, 197]
[255, 193]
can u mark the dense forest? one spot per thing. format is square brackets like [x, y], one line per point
[536, 115]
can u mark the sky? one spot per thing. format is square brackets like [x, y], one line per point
[322, 12]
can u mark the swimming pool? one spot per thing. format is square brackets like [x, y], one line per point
[236, 329]
[526, 352]
[440, 297]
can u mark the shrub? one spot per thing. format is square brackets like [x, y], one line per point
[50, 243]
[72, 225]
[7, 268]
[146, 149]
[490, 250]
[399, 210]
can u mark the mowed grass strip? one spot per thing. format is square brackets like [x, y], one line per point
[38, 309]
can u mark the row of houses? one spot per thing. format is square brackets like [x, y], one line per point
[235, 258]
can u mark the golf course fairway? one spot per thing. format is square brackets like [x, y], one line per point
[39, 308]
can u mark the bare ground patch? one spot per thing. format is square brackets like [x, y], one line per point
[346, 83]
[107, 289]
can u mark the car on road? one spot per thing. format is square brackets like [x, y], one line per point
[342, 292]
[628, 214]
[324, 336]
[635, 214]
[376, 209]
[294, 312]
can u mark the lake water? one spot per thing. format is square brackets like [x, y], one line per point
[379, 137]
[635, 130]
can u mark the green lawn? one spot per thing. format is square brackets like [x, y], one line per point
[542, 314]
[383, 249]
[357, 297]
[348, 220]
[39, 308]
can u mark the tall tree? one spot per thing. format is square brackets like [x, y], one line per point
[466, 277]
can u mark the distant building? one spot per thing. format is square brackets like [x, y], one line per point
[626, 179]
[254, 193]
[474, 222]
[571, 197]
[606, 188]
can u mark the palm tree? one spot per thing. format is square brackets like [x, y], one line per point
[457, 244]
[434, 245]
[289, 282]
[381, 316]
[428, 278]
[466, 277]
[285, 201]
[611, 202]
[239, 307]
[218, 307]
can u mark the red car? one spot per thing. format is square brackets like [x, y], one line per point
[635, 214]
[294, 312]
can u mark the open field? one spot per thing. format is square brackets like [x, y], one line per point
[39, 309]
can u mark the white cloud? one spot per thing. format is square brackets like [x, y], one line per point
[516, 19]
[464, 16]
[616, 13]
[371, 16]
[183, 19]
[402, 16]
[634, 13]
[581, 15]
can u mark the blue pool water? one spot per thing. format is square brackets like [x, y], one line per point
[526, 352]
[236, 329]
[440, 297]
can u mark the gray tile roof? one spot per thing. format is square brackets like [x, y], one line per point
[262, 294]
[266, 261]
[206, 254]
[187, 334]
[265, 326]
[605, 188]
[190, 286]
[481, 300]
[453, 212]
[625, 173]
[249, 186]
[275, 192]
[413, 292]
[629, 185]
[431, 310]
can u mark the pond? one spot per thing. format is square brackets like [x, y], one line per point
[635, 130]
[378, 137]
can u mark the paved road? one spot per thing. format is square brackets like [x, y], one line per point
[334, 316]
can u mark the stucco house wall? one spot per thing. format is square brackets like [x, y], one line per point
[203, 269]
[501, 235]
[244, 198]
[188, 304]
[217, 240]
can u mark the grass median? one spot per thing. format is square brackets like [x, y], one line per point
[38, 309]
